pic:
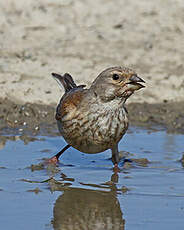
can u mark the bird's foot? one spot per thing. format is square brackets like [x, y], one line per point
[124, 161]
[53, 160]
[127, 160]
[116, 169]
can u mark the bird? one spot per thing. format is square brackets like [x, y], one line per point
[95, 119]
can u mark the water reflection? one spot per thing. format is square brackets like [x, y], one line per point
[80, 208]
[26, 139]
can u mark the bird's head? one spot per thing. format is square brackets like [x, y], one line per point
[116, 82]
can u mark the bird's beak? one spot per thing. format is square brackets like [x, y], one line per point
[133, 83]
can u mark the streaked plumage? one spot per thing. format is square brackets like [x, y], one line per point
[95, 119]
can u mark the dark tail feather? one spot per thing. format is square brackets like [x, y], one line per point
[66, 81]
[69, 82]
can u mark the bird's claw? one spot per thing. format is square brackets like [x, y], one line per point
[116, 169]
[53, 160]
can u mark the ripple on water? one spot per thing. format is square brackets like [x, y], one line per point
[84, 191]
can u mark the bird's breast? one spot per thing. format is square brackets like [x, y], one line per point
[96, 130]
[109, 126]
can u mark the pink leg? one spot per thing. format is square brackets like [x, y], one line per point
[55, 159]
[116, 169]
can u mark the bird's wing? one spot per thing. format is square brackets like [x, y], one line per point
[69, 103]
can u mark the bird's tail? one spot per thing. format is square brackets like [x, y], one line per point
[66, 81]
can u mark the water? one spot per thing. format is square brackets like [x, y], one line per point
[85, 193]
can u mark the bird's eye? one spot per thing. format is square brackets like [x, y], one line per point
[115, 76]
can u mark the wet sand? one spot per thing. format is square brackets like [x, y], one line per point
[83, 38]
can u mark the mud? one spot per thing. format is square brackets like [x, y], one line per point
[34, 119]
[26, 119]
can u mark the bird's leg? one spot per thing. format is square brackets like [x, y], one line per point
[115, 154]
[115, 157]
[55, 158]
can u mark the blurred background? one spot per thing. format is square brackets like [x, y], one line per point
[85, 37]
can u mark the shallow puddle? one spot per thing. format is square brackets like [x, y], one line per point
[83, 192]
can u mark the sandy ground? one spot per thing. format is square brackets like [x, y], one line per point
[83, 38]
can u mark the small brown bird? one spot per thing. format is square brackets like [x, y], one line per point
[95, 119]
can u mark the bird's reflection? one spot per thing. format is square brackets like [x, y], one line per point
[79, 208]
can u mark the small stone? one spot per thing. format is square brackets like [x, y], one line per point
[26, 114]
[118, 26]
[36, 190]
